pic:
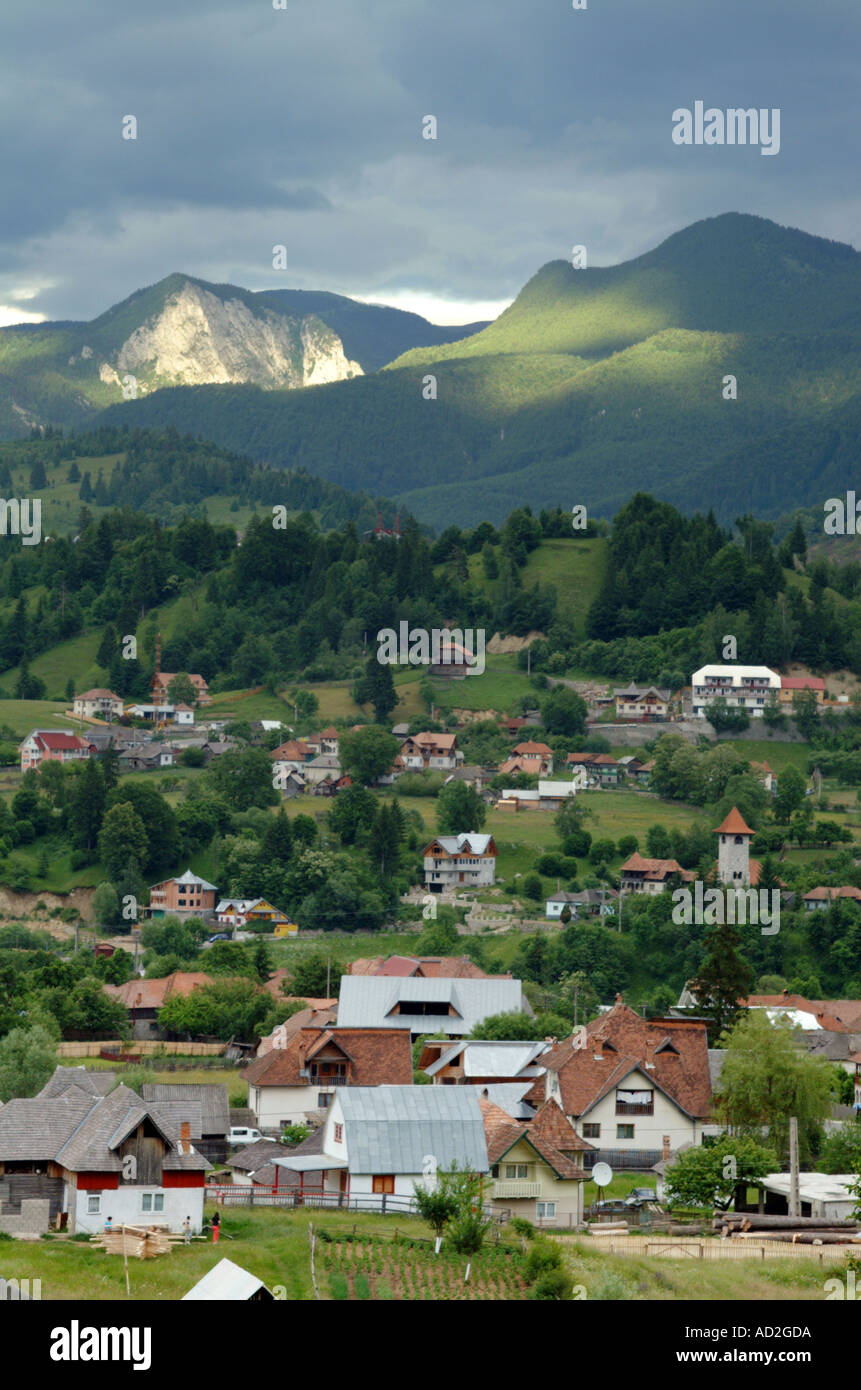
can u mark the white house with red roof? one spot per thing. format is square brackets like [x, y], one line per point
[52, 746]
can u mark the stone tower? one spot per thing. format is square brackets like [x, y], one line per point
[734, 838]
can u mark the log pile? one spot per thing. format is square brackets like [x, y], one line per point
[797, 1230]
[139, 1242]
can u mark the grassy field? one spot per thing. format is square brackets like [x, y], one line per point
[274, 1245]
[501, 684]
[23, 716]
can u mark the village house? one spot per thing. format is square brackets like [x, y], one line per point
[186, 896]
[633, 1088]
[590, 902]
[52, 746]
[72, 1150]
[748, 688]
[240, 912]
[452, 1007]
[323, 768]
[641, 875]
[522, 766]
[451, 861]
[287, 1085]
[792, 685]
[380, 1142]
[645, 705]
[766, 775]
[601, 769]
[318, 1014]
[430, 752]
[144, 998]
[176, 714]
[530, 749]
[149, 758]
[538, 1168]
[473, 775]
[97, 704]
[162, 679]
[820, 898]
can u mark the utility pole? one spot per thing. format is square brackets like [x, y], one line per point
[794, 1203]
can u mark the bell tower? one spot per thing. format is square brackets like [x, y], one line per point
[734, 837]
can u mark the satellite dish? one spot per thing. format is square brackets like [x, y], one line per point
[602, 1173]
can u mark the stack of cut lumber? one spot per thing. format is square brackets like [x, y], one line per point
[798, 1230]
[140, 1242]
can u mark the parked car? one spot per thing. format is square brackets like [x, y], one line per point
[240, 1135]
[219, 936]
[613, 1207]
[640, 1196]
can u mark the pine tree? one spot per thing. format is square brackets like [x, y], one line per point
[107, 647]
[74, 473]
[277, 845]
[723, 980]
[85, 491]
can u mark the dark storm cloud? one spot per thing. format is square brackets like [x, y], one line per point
[302, 127]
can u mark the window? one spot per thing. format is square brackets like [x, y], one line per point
[323, 1100]
[152, 1201]
[494, 1172]
[517, 1170]
[591, 1131]
[384, 1183]
[339, 1134]
[624, 1131]
[94, 1203]
[543, 1210]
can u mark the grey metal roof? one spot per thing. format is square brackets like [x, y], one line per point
[169, 1115]
[491, 1058]
[225, 1282]
[213, 1098]
[367, 1001]
[253, 1156]
[392, 1129]
[508, 1095]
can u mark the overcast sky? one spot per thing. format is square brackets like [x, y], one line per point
[303, 127]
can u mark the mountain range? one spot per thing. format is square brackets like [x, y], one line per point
[722, 368]
[187, 332]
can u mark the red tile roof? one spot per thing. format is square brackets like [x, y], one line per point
[530, 747]
[57, 741]
[379, 1057]
[734, 824]
[655, 870]
[618, 1042]
[548, 1127]
[802, 683]
[428, 967]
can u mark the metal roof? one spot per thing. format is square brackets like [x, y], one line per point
[490, 1058]
[225, 1282]
[368, 1001]
[393, 1129]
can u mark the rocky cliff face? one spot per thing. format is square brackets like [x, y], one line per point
[198, 339]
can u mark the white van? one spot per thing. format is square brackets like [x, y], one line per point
[238, 1135]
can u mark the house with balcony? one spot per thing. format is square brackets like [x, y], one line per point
[529, 748]
[537, 1169]
[747, 688]
[381, 1142]
[433, 752]
[299, 1079]
[97, 704]
[52, 746]
[186, 896]
[643, 705]
[634, 1089]
[459, 861]
[641, 875]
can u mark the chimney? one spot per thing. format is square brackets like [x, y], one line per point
[185, 1137]
[650, 1055]
[665, 1152]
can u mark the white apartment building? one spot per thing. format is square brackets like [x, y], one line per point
[743, 687]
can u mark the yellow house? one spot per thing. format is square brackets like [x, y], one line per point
[285, 928]
[537, 1168]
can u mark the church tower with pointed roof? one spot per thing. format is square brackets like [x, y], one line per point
[734, 837]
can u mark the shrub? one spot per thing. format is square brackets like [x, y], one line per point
[556, 1284]
[522, 1227]
[542, 1258]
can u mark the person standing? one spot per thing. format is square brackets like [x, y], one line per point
[186, 1230]
[216, 1223]
[109, 1225]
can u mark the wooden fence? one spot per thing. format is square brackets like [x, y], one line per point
[148, 1048]
[692, 1249]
